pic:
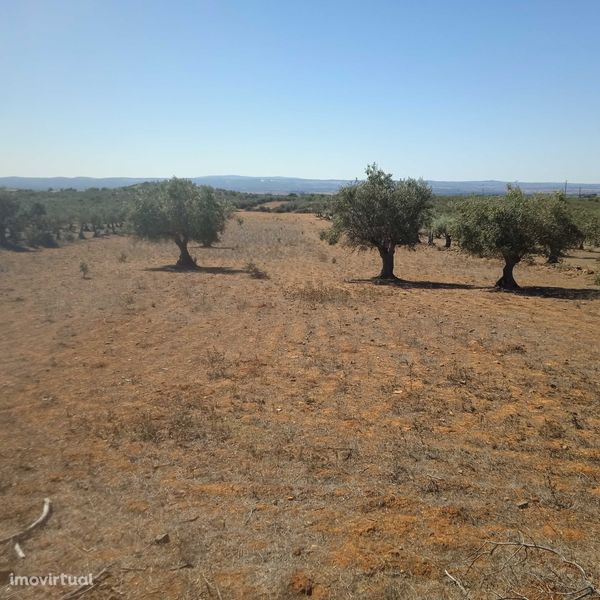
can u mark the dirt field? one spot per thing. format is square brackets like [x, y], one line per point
[300, 434]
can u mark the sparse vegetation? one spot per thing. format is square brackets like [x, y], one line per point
[287, 435]
[84, 269]
[255, 272]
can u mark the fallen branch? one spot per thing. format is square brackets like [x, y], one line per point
[524, 551]
[209, 585]
[19, 550]
[522, 544]
[21, 535]
[40, 521]
[461, 587]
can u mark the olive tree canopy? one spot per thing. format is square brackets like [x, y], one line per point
[557, 227]
[181, 211]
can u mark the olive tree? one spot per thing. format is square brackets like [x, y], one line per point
[181, 211]
[504, 227]
[514, 226]
[380, 213]
[442, 227]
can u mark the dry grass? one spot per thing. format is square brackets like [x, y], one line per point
[297, 433]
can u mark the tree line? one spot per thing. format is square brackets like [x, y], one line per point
[376, 213]
[48, 218]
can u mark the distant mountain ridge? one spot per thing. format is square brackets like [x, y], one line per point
[287, 185]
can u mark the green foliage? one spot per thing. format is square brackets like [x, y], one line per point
[9, 222]
[514, 226]
[212, 216]
[38, 227]
[319, 204]
[557, 229]
[84, 269]
[178, 208]
[381, 212]
[43, 218]
[442, 225]
[498, 226]
[588, 224]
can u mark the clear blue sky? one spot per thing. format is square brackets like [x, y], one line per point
[443, 89]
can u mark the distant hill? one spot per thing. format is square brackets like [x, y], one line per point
[287, 185]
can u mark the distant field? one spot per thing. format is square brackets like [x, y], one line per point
[308, 433]
[72, 202]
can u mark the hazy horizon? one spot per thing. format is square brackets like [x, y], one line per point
[236, 175]
[463, 91]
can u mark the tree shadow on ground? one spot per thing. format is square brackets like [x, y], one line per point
[572, 256]
[554, 292]
[200, 247]
[432, 285]
[15, 247]
[197, 269]
[533, 291]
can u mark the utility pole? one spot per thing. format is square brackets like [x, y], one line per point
[565, 187]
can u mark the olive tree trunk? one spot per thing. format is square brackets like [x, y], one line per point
[185, 259]
[553, 256]
[507, 281]
[387, 259]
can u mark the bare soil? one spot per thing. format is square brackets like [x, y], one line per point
[304, 433]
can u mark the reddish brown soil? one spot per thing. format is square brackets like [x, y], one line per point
[309, 433]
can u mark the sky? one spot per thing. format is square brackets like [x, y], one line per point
[439, 89]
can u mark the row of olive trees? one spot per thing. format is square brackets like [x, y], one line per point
[30, 224]
[35, 223]
[175, 209]
[383, 214]
[375, 213]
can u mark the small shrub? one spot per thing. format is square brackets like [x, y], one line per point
[122, 257]
[216, 363]
[255, 272]
[551, 429]
[147, 429]
[84, 268]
